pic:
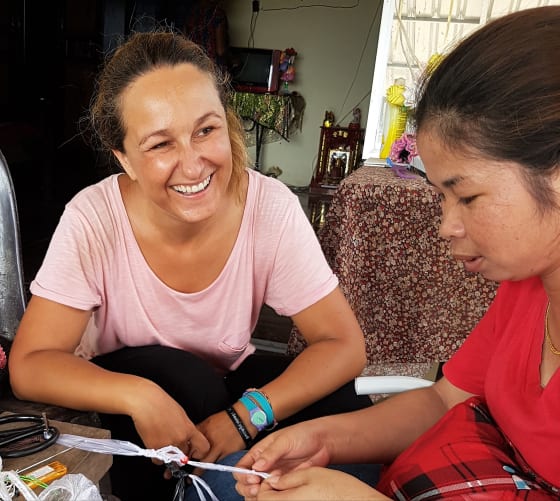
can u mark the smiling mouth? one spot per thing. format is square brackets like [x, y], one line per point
[192, 189]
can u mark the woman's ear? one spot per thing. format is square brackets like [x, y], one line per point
[123, 160]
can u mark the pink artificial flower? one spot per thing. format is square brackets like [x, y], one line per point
[286, 66]
[289, 74]
[403, 150]
[3, 358]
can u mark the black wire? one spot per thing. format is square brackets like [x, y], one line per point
[19, 442]
[252, 27]
[375, 16]
[367, 94]
[316, 5]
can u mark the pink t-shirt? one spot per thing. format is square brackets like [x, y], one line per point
[94, 263]
[500, 361]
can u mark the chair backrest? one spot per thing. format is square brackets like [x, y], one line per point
[12, 293]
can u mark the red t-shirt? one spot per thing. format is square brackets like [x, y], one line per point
[500, 361]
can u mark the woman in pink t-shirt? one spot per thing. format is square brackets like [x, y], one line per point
[154, 279]
[488, 132]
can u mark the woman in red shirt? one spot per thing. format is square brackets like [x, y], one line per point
[488, 133]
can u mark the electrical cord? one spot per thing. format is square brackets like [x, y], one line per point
[21, 441]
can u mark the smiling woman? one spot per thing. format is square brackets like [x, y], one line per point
[154, 279]
[177, 143]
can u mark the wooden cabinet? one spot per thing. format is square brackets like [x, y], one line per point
[340, 150]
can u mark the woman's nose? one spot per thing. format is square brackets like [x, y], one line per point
[451, 225]
[190, 161]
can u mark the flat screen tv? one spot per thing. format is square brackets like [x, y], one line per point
[254, 70]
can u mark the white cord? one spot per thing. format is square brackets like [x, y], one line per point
[201, 486]
[223, 467]
[169, 454]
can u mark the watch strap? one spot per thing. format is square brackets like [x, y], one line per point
[257, 415]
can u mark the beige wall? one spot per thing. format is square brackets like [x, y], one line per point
[329, 42]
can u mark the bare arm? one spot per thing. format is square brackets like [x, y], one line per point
[335, 354]
[378, 434]
[373, 435]
[43, 368]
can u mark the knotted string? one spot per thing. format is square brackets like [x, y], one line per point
[170, 455]
[201, 487]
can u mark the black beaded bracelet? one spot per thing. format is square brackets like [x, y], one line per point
[243, 432]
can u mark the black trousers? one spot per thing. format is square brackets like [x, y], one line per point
[201, 391]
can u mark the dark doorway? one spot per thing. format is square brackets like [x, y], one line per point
[49, 53]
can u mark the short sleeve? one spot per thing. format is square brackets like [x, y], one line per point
[467, 368]
[300, 274]
[69, 274]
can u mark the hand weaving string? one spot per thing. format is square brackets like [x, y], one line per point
[170, 455]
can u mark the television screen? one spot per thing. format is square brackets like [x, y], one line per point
[254, 70]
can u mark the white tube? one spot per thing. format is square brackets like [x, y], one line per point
[371, 385]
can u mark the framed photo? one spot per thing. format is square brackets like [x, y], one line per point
[339, 150]
[338, 163]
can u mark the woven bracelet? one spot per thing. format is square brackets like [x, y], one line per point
[240, 427]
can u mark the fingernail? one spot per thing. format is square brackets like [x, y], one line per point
[253, 491]
[258, 464]
[272, 479]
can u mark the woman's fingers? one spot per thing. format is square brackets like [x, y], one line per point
[196, 446]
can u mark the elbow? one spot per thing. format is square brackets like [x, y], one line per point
[358, 355]
[19, 395]
[19, 376]
[361, 349]
[361, 363]
[18, 389]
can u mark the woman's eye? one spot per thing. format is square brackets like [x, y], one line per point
[467, 200]
[158, 146]
[206, 130]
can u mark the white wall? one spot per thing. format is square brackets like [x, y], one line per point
[329, 42]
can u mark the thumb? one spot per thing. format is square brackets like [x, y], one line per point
[268, 453]
[290, 480]
[199, 445]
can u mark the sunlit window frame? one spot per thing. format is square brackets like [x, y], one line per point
[392, 15]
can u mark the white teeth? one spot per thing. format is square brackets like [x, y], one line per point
[184, 188]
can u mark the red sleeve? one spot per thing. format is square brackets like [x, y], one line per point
[468, 367]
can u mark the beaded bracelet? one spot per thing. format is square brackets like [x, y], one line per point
[240, 427]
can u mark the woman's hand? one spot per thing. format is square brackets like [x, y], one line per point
[293, 448]
[161, 421]
[222, 436]
[311, 483]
